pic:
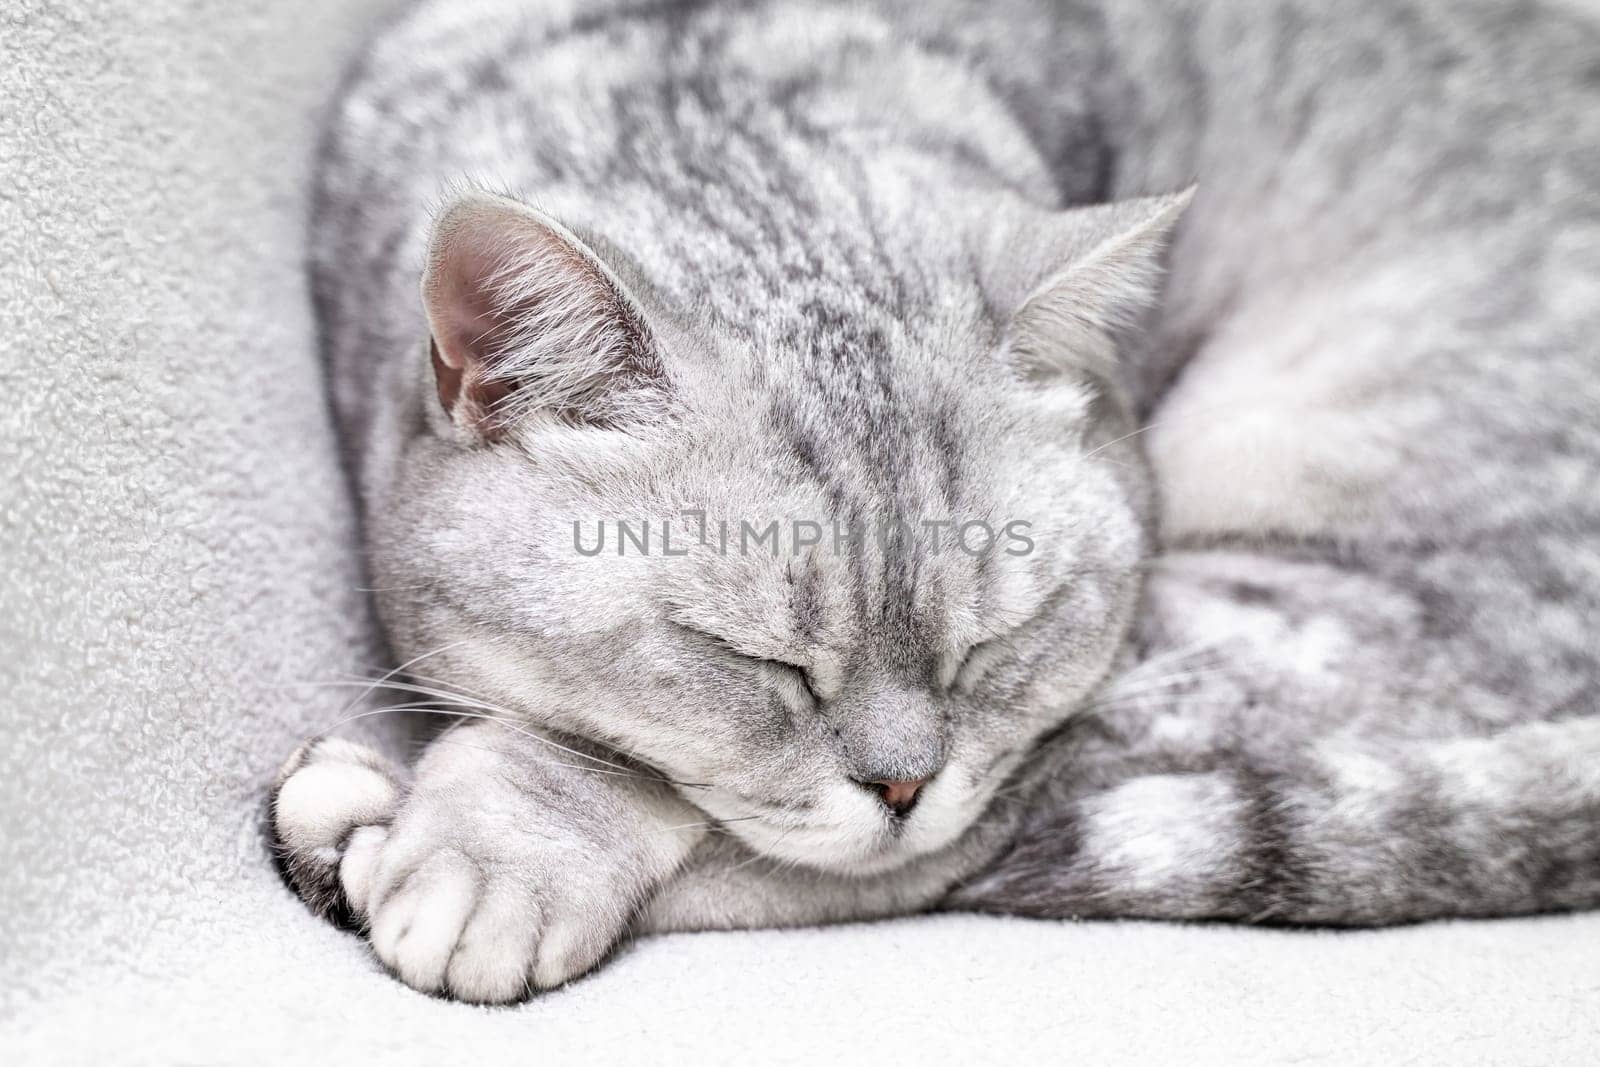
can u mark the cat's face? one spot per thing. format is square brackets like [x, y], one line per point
[865, 551]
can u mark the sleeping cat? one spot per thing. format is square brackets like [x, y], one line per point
[1168, 430]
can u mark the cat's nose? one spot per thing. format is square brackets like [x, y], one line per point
[899, 796]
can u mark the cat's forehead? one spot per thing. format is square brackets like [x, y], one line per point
[874, 431]
[867, 451]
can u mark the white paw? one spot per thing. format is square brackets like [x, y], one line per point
[331, 809]
[489, 929]
[483, 876]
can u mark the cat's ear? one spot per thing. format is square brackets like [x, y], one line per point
[526, 320]
[1103, 268]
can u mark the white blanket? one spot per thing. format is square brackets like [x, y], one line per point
[178, 557]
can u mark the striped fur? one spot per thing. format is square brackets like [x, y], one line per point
[1308, 636]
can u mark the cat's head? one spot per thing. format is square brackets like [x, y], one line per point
[832, 569]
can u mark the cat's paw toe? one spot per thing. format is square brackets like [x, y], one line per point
[571, 945]
[444, 928]
[493, 959]
[332, 802]
[417, 925]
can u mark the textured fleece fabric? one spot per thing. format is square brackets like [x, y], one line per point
[178, 557]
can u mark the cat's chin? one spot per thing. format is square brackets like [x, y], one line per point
[885, 860]
[857, 863]
[867, 855]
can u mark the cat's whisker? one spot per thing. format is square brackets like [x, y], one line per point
[1160, 697]
[447, 685]
[466, 709]
[1152, 704]
[505, 715]
[481, 700]
[1170, 420]
[379, 683]
[428, 709]
[1168, 684]
[1183, 652]
[708, 824]
[409, 687]
[762, 855]
[1180, 677]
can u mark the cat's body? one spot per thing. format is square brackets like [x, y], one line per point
[1319, 554]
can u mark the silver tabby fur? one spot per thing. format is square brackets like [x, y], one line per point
[1310, 633]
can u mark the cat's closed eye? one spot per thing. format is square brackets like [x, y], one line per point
[794, 675]
[966, 670]
[976, 662]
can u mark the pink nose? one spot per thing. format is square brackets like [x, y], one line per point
[899, 796]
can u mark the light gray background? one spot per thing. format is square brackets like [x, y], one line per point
[177, 553]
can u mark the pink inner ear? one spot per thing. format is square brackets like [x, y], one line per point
[461, 305]
[468, 327]
[520, 307]
[447, 378]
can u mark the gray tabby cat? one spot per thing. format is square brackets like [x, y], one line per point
[1304, 628]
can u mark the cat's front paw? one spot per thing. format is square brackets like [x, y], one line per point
[334, 801]
[486, 917]
[491, 870]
